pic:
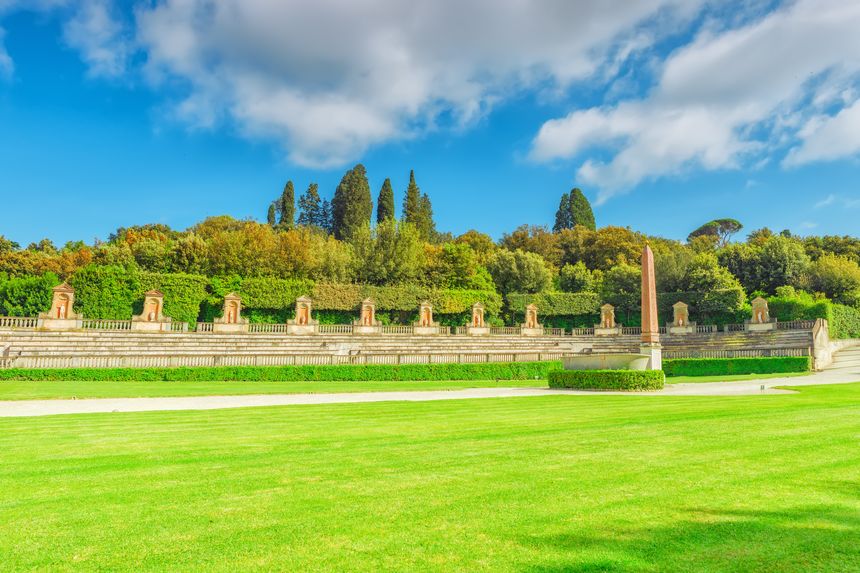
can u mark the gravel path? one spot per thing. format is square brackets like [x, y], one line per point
[88, 406]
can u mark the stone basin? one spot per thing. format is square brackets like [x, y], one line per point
[606, 361]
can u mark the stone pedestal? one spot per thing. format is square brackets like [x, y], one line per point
[152, 318]
[301, 328]
[425, 325]
[231, 321]
[607, 330]
[364, 329]
[681, 329]
[760, 326]
[478, 330]
[425, 330]
[535, 331]
[654, 352]
[62, 315]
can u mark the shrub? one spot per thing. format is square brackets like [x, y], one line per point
[727, 366]
[607, 379]
[27, 296]
[108, 292]
[845, 322]
[183, 293]
[347, 373]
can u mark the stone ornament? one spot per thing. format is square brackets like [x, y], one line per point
[680, 320]
[303, 323]
[152, 318]
[231, 319]
[367, 323]
[531, 326]
[477, 326]
[62, 315]
[760, 320]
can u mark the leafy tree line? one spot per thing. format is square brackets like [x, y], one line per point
[354, 240]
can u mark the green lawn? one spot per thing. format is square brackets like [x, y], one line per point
[549, 484]
[40, 390]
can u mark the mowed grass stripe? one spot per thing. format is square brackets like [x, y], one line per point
[543, 484]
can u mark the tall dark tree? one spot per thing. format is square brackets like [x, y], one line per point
[287, 207]
[426, 226]
[563, 215]
[271, 217]
[310, 208]
[385, 202]
[412, 202]
[352, 206]
[580, 210]
[326, 219]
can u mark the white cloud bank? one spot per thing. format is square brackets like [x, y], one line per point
[725, 98]
[330, 78]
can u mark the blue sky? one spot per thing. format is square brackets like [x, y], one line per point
[667, 114]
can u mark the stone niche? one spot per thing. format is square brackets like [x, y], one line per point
[681, 320]
[303, 323]
[531, 326]
[231, 320]
[477, 326]
[367, 323]
[152, 318]
[425, 324]
[607, 326]
[760, 320]
[62, 315]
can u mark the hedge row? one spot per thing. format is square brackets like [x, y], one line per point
[556, 303]
[344, 373]
[727, 366]
[607, 379]
[844, 322]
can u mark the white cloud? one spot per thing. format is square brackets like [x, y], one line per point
[328, 79]
[7, 66]
[828, 137]
[826, 202]
[727, 97]
[97, 34]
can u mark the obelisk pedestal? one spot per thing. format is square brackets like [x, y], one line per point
[650, 344]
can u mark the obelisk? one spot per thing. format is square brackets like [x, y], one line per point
[650, 344]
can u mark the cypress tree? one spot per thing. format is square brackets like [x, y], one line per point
[287, 207]
[270, 216]
[412, 202]
[352, 206]
[310, 209]
[580, 210]
[562, 216]
[385, 202]
[325, 221]
[426, 224]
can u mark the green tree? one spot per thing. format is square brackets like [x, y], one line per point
[722, 229]
[427, 227]
[7, 245]
[563, 215]
[287, 207]
[310, 208]
[326, 220]
[838, 277]
[580, 210]
[390, 253]
[412, 203]
[782, 262]
[271, 216]
[385, 202]
[534, 239]
[352, 205]
[622, 288]
[519, 271]
[577, 278]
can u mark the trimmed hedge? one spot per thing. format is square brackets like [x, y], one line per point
[26, 296]
[725, 366]
[341, 373]
[607, 379]
[845, 322]
[556, 303]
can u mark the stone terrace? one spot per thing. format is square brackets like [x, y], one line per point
[94, 348]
